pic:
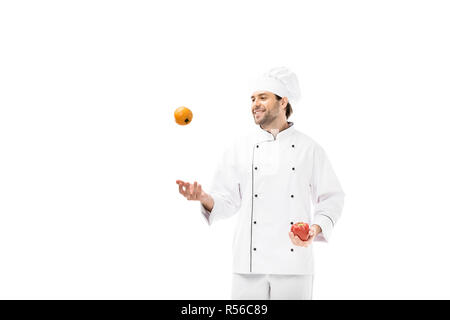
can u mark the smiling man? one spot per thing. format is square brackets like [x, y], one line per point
[269, 178]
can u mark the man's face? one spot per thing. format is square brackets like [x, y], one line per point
[265, 107]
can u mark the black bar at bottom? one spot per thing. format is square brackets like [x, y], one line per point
[222, 309]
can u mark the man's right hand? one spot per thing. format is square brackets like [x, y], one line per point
[195, 192]
[190, 191]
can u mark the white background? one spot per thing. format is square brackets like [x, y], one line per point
[89, 150]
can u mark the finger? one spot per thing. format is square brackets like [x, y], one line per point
[183, 189]
[188, 190]
[180, 183]
[191, 192]
[199, 191]
[298, 241]
[291, 236]
[194, 191]
[310, 238]
[307, 243]
[180, 188]
[295, 240]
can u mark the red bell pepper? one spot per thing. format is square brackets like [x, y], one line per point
[301, 229]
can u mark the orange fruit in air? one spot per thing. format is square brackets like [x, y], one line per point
[183, 116]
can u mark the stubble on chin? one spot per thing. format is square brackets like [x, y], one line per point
[258, 122]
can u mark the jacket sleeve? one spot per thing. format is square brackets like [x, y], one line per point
[327, 195]
[225, 190]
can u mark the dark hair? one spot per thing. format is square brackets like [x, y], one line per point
[288, 107]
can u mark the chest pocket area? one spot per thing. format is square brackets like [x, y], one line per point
[267, 158]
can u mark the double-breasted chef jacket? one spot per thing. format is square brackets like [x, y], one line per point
[271, 182]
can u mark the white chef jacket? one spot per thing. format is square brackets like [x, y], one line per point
[270, 183]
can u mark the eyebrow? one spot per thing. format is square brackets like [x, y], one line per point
[261, 94]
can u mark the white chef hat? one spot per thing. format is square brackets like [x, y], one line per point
[280, 81]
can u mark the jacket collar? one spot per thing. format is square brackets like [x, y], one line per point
[263, 135]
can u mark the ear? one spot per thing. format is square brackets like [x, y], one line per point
[284, 102]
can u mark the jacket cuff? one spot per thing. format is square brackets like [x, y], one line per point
[208, 215]
[326, 224]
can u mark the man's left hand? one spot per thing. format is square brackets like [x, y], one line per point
[314, 230]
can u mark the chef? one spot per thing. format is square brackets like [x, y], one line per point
[272, 177]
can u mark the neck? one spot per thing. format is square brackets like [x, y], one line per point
[276, 126]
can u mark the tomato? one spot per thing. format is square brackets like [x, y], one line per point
[301, 229]
[183, 116]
